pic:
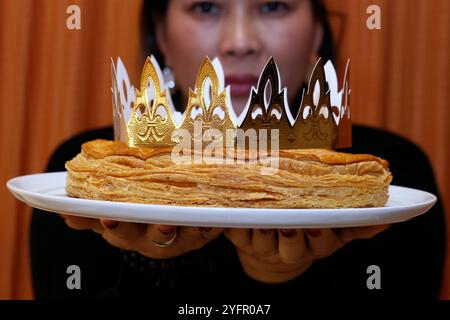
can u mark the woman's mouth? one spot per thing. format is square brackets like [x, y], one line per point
[240, 85]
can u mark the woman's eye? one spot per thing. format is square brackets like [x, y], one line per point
[205, 8]
[274, 7]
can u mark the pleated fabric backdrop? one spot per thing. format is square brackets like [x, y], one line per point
[55, 83]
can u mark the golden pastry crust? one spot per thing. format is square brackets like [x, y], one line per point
[306, 178]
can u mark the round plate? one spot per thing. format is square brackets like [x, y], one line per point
[46, 191]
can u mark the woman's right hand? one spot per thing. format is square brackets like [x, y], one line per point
[144, 238]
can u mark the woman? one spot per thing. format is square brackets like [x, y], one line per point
[136, 258]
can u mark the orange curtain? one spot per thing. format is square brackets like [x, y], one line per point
[400, 77]
[55, 82]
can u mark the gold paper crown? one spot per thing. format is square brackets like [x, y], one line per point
[323, 120]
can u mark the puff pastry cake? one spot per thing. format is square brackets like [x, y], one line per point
[306, 178]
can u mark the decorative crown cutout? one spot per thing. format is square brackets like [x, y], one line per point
[147, 118]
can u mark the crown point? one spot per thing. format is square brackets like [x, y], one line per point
[151, 123]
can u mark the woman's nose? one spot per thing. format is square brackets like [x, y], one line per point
[239, 37]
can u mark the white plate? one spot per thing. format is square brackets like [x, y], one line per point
[46, 191]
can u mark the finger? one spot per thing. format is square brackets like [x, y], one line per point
[292, 245]
[78, 223]
[160, 233]
[323, 242]
[350, 234]
[241, 238]
[109, 224]
[122, 234]
[82, 223]
[205, 233]
[265, 242]
[186, 239]
[63, 215]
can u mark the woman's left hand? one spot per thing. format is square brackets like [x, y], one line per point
[275, 256]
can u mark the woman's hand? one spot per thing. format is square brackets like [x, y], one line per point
[144, 238]
[275, 256]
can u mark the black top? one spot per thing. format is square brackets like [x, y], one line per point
[410, 254]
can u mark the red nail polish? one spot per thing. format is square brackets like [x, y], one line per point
[288, 233]
[205, 229]
[313, 233]
[110, 224]
[166, 230]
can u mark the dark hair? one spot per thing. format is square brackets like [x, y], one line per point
[156, 9]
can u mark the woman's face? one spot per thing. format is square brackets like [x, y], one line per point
[243, 34]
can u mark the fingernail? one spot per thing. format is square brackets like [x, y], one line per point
[205, 229]
[110, 224]
[288, 233]
[266, 231]
[313, 233]
[166, 229]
